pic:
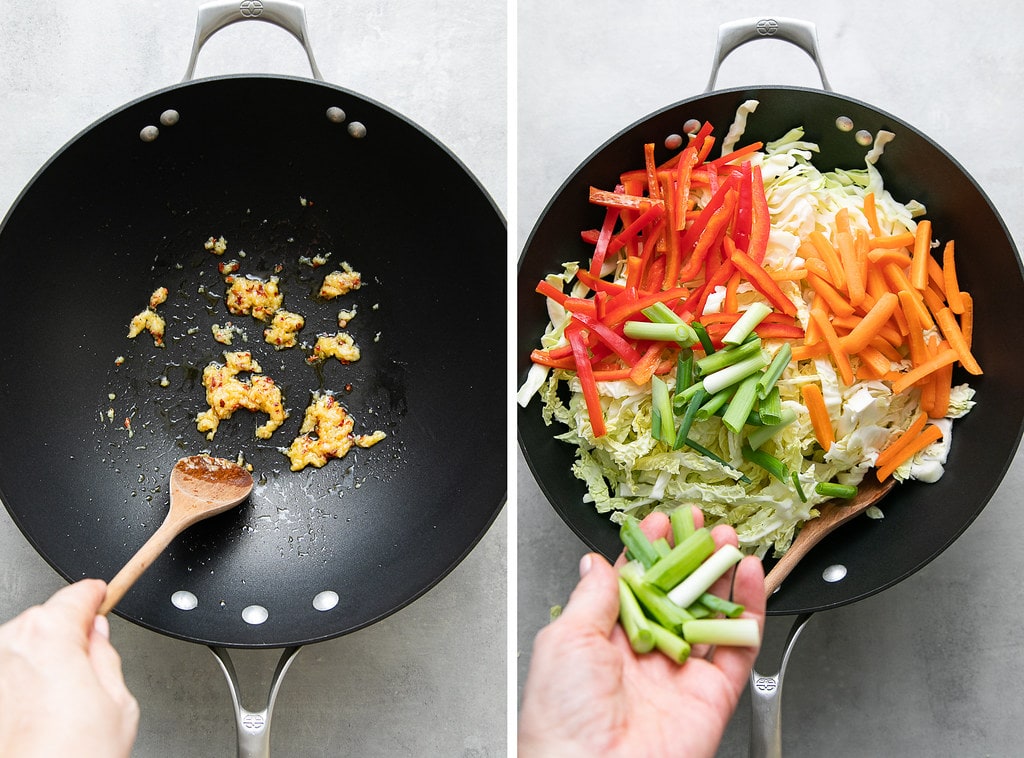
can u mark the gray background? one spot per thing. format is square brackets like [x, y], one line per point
[429, 680]
[930, 667]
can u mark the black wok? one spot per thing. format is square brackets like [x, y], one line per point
[112, 216]
[921, 520]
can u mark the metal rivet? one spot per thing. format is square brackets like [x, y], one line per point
[844, 124]
[673, 141]
[357, 130]
[169, 117]
[255, 614]
[324, 601]
[864, 137]
[184, 600]
[149, 133]
[335, 115]
[692, 126]
[834, 573]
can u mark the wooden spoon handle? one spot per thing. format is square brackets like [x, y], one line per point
[133, 569]
[786, 565]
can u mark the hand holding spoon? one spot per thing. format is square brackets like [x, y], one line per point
[833, 514]
[201, 486]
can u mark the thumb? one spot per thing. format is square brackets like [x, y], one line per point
[594, 604]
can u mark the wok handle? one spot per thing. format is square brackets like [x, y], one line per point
[766, 701]
[214, 16]
[253, 727]
[801, 33]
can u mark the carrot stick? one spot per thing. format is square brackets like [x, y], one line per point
[731, 304]
[871, 214]
[829, 294]
[886, 348]
[882, 257]
[892, 450]
[953, 294]
[922, 251]
[871, 324]
[848, 256]
[923, 440]
[907, 380]
[820, 420]
[814, 350]
[967, 318]
[842, 360]
[874, 358]
[943, 388]
[831, 258]
[951, 331]
[915, 336]
[894, 241]
[936, 277]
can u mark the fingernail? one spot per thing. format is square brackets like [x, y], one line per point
[585, 564]
[102, 626]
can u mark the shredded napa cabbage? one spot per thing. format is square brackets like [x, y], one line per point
[628, 471]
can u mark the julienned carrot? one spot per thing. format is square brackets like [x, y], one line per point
[818, 413]
[951, 331]
[871, 214]
[893, 449]
[872, 323]
[906, 381]
[931, 434]
[892, 241]
[851, 268]
[839, 356]
[953, 295]
[883, 256]
[922, 251]
[967, 318]
[830, 257]
[943, 388]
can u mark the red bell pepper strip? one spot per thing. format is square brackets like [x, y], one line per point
[630, 232]
[588, 385]
[714, 224]
[744, 209]
[545, 288]
[618, 311]
[580, 305]
[760, 220]
[618, 374]
[653, 187]
[544, 358]
[611, 215]
[621, 200]
[720, 163]
[643, 370]
[597, 284]
[612, 338]
[763, 282]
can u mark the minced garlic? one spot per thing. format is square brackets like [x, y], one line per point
[326, 433]
[340, 346]
[284, 329]
[256, 297]
[338, 283]
[225, 394]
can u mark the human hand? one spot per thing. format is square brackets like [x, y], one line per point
[61, 687]
[588, 693]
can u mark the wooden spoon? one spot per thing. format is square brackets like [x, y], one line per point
[833, 514]
[201, 486]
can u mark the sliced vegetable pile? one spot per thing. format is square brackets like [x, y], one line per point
[664, 603]
[753, 335]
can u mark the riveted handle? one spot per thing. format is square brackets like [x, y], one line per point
[214, 16]
[801, 33]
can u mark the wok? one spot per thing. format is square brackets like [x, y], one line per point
[273, 165]
[921, 520]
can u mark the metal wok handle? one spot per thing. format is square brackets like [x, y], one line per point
[731, 35]
[214, 16]
[253, 727]
[766, 701]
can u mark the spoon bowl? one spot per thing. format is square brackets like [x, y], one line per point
[201, 486]
[832, 515]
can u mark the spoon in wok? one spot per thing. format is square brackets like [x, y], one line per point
[832, 515]
[201, 486]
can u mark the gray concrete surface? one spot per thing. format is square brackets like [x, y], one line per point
[431, 679]
[929, 667]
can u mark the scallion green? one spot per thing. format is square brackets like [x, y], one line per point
[745, 324]
[834, 489]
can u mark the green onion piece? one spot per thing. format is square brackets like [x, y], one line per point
[770, 407]
[799, 487]
[662, 546]
[681, 562]
[745, 324]
[646, 330]
[741, 405]
[661, 401]
[762, 434]
[717, 459]
[682, 522]
[631, 616]
[704, 337]
[707, 573]
[671, 645]
[834, 489]
[681, 398]
[713, 362]
[735, 373]
[698, 611]
[662, 314]
[775, 369]
[692, 410]
[717, 402]
[655, 422]
[768, 462]
[636, 542]
[653, 600]
[735, 632]
[684, 370]
[721, 605]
